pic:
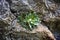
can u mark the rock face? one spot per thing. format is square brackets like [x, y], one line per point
[53, 18]
[12, 30]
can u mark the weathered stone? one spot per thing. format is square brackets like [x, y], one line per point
[13, 30]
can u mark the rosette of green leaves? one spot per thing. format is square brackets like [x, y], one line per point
[29, 20]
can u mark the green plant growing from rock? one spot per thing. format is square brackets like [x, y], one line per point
[29, 20]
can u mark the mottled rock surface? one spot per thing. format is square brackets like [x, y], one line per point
[12, 30]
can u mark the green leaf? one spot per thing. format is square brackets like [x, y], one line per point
[29, 20]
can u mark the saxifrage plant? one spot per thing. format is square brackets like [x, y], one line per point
[29, 20]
